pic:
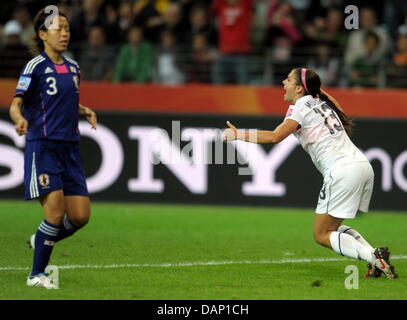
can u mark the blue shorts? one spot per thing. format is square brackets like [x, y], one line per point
[51, 165]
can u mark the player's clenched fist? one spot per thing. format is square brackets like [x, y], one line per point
[21, 127]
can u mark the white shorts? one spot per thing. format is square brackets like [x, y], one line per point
[347, 189]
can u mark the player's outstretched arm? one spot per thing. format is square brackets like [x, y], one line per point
[89, 114]
[17, 117]
[287, 127]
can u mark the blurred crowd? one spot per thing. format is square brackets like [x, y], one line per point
[250, 42]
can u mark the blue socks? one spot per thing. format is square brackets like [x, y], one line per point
[66, 230]
[46, 236]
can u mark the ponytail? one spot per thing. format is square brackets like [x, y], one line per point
[312, 85]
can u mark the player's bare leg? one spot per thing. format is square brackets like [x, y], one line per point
[77, 213]
[77, 210]
[326, 233]
[53, 205]
[324, 225]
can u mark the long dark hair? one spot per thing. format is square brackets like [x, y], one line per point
[312, 86]
[37, 45]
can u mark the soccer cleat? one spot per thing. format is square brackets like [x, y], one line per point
[382, 262]
[40, 280]
[31, 242]
[372, 272]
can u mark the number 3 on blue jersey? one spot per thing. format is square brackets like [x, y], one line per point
[52, 86]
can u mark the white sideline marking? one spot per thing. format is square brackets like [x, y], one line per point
[194, 264]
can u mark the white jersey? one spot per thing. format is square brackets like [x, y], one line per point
[322, 134]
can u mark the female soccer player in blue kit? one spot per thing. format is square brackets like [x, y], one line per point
[46, 109]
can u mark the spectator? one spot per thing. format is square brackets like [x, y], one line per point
[199, 24]
[356, 47]
[147, 14]
[234, 20]
[402, 29]
[324, 64]
[397, 69]
[13, 55]
[22, 15]
[89, 16]
[125, 20]
[97, 57]
[394, 12]
[155, 23]
[198, 64]
[301, 7]
[259, 24]
[282, 28]
[281, 37]
[330, 30]
[364, 70]
[134, 61]
[168, 71]
[172, 21]
[112, 31]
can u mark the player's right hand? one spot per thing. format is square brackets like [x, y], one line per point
[230, 133]
[21, 127]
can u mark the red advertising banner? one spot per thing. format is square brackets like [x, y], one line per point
[210, 99]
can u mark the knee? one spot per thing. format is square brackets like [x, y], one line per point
[322, 238]
[80, 221]
[317, 237]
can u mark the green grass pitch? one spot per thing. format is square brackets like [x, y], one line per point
[165, 252]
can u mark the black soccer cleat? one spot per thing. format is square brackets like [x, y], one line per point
[382, 262]
[372, 272]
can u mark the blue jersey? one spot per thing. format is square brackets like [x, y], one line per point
[51, 98]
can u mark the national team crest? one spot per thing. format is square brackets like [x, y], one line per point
[43, 180]
[76, 81]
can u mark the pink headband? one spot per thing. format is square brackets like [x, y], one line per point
[304, 82]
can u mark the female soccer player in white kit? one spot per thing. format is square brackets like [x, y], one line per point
[323, 130]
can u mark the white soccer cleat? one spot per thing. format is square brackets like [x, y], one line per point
[31, 242]
[40, 280]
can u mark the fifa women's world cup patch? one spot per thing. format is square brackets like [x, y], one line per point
[23, 83]
[43, 180]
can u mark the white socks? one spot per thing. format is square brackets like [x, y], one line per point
[354, 234]
[348, 242]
